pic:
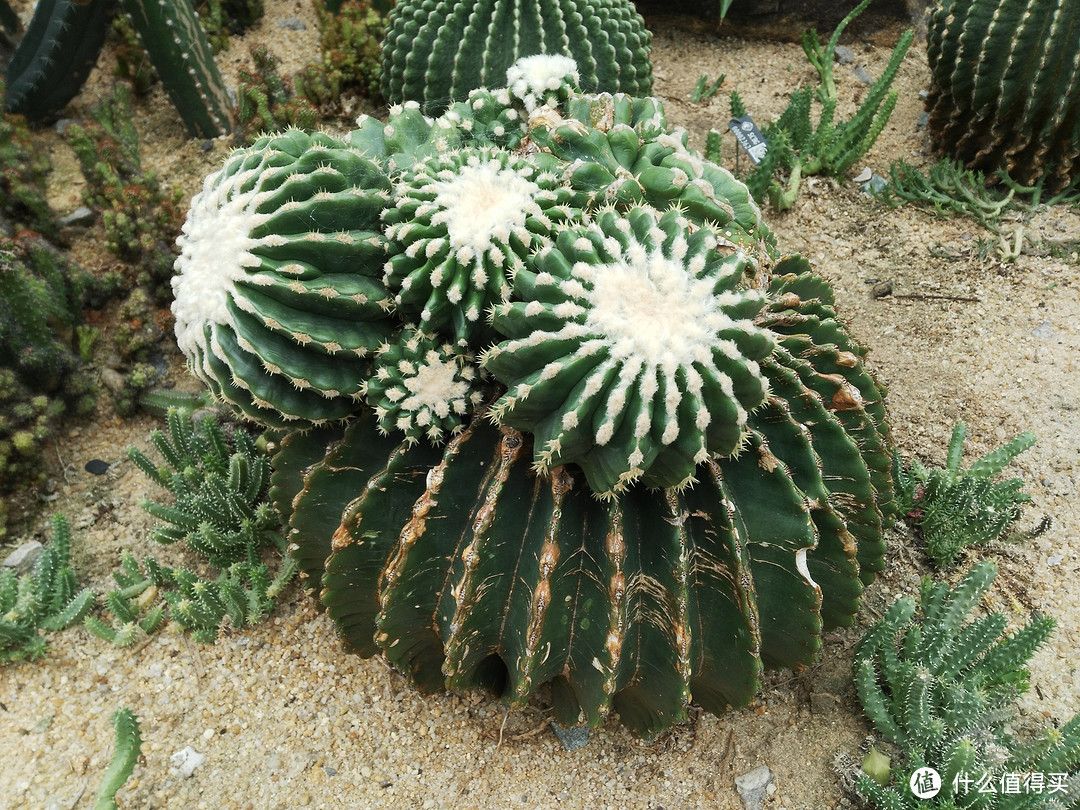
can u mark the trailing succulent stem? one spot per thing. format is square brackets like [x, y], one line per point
[653, 461]
[954, 508]
[798, 148]
[1006, 87]
[46, 599]
[948, 188]
[940, 686]
[125, 756]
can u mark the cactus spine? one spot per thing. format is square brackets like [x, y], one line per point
[1006, 90]
[435, 52]
[641, 508]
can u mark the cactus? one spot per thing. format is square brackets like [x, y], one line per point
[22, 174]
[954, 508]
[284, 332]
[941, 686]
[798, 148]
[56, 54]
[62, 43]
[437, 52]
[41, 378]
[265, 100]
[1006, 87]
[46, 599]
[637, 508]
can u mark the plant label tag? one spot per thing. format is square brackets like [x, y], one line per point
[749, 137]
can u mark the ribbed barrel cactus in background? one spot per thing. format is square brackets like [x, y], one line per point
[436, 51]
[1006, 86]
[650, 463]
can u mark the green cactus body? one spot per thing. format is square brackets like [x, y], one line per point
[56, 54]
[436, 51]
[1006, 90]
[636, 507]
[174, 39]
[460, 225]
[273, 306]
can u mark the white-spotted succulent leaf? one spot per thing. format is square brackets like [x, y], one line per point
[278, 299]
[458, 228]
[436, 51]
[632, 351]
[422, 388]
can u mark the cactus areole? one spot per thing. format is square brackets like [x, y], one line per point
[563, 413]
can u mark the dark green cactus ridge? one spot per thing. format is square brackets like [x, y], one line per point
[633, 353]
[276, 303]
[459, 226]
[1006, 89]
[436, 51]
[422, 388]
[676, 473]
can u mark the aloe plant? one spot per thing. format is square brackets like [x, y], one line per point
[611, 439]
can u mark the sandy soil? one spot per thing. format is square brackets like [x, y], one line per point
[286, 719]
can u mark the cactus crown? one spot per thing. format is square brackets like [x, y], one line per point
[606, 393]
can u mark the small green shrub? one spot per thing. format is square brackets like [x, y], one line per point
[266, 101]
[954, 508]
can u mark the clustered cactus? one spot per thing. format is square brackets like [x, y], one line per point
[566, 415]
[438, 51]
[1006, 87]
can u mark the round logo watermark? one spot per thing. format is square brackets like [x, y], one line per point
[925, 783]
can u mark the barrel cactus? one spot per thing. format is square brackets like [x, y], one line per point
[654, 465]
[436, 51]
[1006, 86]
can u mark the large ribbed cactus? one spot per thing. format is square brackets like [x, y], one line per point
[653, 465]
[439, 50]
[1006, 89]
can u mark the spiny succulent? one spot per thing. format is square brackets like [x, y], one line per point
[422, 388]
[672, 468]
[459, 226]
[436, 51]
[940, 685]
[588, 381]
[45, 599]
[279, 298]
[1006, 87]
[64, 38]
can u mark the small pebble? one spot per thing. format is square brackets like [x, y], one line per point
[96, 466]
[863, 75]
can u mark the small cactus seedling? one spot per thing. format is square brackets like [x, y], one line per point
[1006, 87]
[653, 459]
[125, 756]
[436, 52]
